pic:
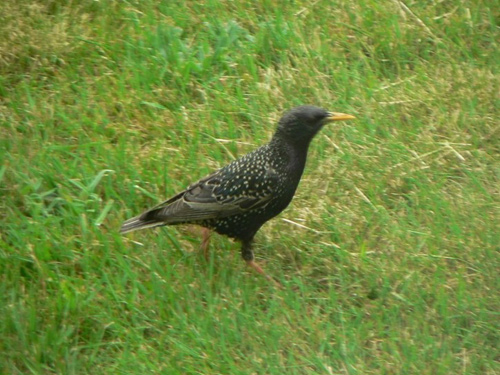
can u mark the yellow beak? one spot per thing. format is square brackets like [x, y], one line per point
[335, 116]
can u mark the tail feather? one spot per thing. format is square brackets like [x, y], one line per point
[137, 223]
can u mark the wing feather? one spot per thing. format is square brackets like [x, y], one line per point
[218, 195]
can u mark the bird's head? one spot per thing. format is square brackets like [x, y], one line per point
[300, 124]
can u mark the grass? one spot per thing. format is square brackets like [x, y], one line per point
[106, 108]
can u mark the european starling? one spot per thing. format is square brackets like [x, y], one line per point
[239, 198]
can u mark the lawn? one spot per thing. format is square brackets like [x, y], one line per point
[389, 252]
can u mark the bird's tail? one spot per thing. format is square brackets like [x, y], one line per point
[139, 222]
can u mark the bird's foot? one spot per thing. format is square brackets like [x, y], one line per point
[259, 270]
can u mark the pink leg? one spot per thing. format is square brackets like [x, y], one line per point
[259, 270]
[205, 242]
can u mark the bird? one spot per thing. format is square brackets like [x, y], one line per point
[239, 198]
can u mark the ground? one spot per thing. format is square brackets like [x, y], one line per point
[388, 253]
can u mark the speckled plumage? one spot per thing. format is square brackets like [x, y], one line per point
[239, 198]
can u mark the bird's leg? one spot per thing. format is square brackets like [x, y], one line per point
[247, 254]
[205, 242]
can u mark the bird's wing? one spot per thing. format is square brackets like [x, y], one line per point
[216, 196]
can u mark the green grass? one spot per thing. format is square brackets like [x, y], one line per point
[106, 108]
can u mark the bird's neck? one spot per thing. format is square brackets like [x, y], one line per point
[293, 155]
